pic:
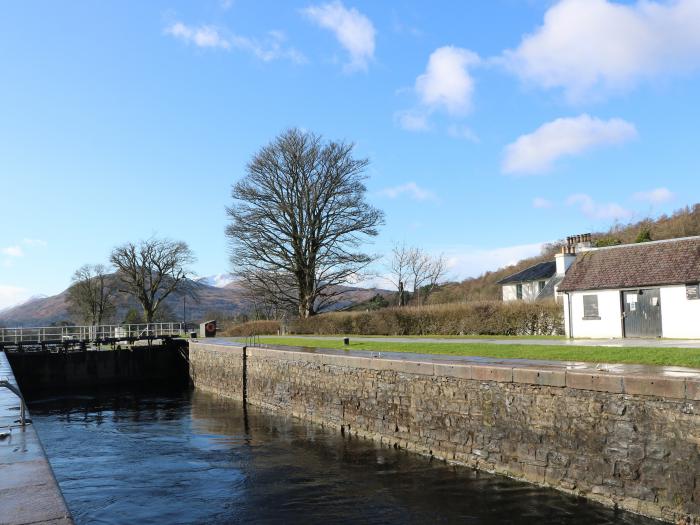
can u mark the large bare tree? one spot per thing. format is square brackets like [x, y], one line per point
[298, 221]
[90, 296]
[153, 269]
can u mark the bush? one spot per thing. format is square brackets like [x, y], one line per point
[474, 318]
[251, 328]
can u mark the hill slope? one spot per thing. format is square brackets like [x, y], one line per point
[213, 301]
[684, 222]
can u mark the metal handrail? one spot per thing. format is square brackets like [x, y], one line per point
[23, 406]
[54, 334]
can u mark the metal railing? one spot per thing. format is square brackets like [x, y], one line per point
[92, 334]
[23, 406]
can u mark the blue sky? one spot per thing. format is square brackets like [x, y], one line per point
[491, 127]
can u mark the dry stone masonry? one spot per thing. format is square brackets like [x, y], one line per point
[629, 440]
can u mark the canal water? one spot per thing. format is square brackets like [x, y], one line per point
[189, 457]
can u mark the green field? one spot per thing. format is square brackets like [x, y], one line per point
[688, 357]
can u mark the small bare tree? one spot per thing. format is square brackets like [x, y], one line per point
[399, 268]
[412, 267]
[152, 270]
[298, 220]
[90, 296]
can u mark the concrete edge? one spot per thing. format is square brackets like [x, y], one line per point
[31, 494]
[653, 385]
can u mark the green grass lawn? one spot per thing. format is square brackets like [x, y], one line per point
[689, 357]
[418, 337]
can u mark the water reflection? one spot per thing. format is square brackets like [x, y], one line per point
[190, 457]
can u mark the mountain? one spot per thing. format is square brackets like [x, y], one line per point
[226, 300]
[219, 280]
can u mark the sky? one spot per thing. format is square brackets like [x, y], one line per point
[491, 127]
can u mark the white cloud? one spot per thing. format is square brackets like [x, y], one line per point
[352, 29]
[411, 189]
[412, 120]
[13, 251]
[462, 132]
[447, 83]
[39, 243]
[594, 47]
[537, 151]
[540, 202]
[205, 36]
[655, 196]
[471, 262]
[202, 36]
[594, 210]
[11, 295]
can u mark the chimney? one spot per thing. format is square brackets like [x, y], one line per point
[574, 245]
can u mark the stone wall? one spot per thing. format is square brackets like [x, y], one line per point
[629, 440]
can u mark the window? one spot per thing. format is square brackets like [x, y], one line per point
[590, 307]
[691, 292]
[540, 286]
[519, 291]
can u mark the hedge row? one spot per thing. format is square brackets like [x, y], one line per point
[251, 328]
[475, 318]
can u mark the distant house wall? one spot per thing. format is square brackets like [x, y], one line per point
[680, 316]
[530, 291]
[609, 323]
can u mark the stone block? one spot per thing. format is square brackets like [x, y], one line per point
[692, 389]
[597, 382]
[500, 374]
[458, 371]
[654, 386]
[534, 376]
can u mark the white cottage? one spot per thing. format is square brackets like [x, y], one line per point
[541, 281]
[634, 290]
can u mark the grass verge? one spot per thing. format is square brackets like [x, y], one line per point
[688, 357]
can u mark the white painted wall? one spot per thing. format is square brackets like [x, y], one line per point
[680, 317]
[608, 326]
[530, 291]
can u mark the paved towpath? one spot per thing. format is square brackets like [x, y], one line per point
[617, 343]
[675, 372]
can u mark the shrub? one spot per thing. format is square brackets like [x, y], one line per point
[251, 328]
[474, 318]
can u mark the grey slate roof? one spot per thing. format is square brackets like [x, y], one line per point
[657, 263]
[543, 270]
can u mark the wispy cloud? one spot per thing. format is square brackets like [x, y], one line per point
[411, 190]
[13, 251]
[457, 131]
[655, 196]
[540, 202]
[12, 295]
[468, 261]
[591, 48]
[412, 120]
[594, 210]
[39, 243]
[201, 36]
[536, 152]
[353, 30]
[271, 47]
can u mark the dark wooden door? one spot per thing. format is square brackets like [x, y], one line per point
[642, 312]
